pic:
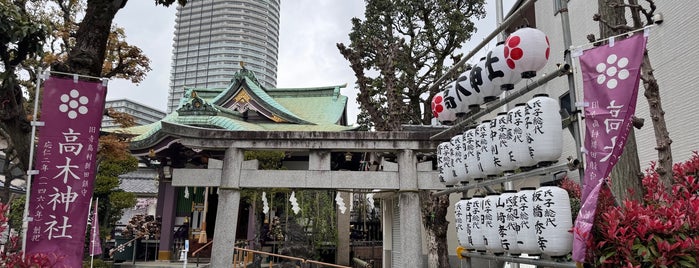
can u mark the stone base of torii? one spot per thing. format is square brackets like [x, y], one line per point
[233, 174]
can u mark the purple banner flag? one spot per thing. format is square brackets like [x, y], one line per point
[95, 243]
[62, 190]
[610, 88]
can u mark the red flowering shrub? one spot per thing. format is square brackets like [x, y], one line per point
[11, 256]
[662, 230]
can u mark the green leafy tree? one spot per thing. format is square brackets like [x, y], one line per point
[20, 38]
[396, 54]
[91, 46]
[400, 49]
[114, 159]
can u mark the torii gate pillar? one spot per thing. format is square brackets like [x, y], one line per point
[227, 212]
[409, 205]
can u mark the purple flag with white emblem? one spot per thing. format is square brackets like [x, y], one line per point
[610, 88]
[65, 160]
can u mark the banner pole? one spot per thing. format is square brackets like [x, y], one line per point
[92, 231]
[30, 168]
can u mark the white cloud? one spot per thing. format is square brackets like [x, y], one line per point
[308, 56]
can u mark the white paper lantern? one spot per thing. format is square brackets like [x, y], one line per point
[526, 236]
[459, 165]
[444, 164]
[456, 100]
[516, 118]
[527, 51]
[544, 128]
[468, 218]
[461, 222]
[501, 139]
[477, 222]
[499, 72]
[554, 221]
[507, 211]
[440, 111]
[484, 152]
[472, 161]
[463, 86]
[460, 93]
[490, 224]
[482, 84]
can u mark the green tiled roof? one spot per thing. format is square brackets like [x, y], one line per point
[303, 109]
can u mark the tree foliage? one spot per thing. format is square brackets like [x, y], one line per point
[114, 159]
[399, 49]
[20, 38]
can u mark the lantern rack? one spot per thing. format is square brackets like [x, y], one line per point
[507, 178]
[537, 262]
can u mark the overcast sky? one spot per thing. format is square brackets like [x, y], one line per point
[308, 56]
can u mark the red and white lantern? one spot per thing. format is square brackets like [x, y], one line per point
[501, 75]
[481, 83]
[440, 111]
[544, 129]
[527, 51]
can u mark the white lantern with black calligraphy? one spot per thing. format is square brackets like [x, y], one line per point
[527, 51]
[459, 165]
[501, 137]
[526, 236]
[477, 222]
[461, 222]
[484, 150]
[482, 84]
[544, 128]
[554, 221]
[444, 164]
[472, 158]
[440, 111]
[462, 85]
[455, 99]
[468, 226]
[450, 178]
[490, 224]
[508, 216]
[516, 118]
[502, 76]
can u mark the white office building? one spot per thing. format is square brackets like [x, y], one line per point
[142, 114]
[213, 37]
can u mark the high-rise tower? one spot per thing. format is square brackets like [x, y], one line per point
[212, 38]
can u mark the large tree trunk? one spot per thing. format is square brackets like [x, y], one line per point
[87, 57]
[434, 211]
[657, 114]
[15, 130]
[626, 182]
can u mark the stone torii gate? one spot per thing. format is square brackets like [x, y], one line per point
[407, 177]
